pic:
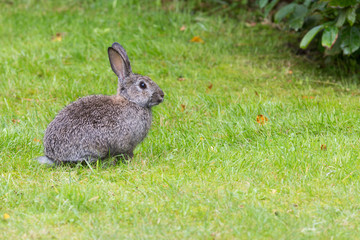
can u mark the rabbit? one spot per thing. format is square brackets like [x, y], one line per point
[98, 126]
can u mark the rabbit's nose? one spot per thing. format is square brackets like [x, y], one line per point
[160, 96]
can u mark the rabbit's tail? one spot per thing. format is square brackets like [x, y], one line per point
[45, 160]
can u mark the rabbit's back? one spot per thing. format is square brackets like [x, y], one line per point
[96, 127]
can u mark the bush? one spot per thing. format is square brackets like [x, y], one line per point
[336, 21]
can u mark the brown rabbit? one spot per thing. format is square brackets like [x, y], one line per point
[96, 127]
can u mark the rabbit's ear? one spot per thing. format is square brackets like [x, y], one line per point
[119, 60]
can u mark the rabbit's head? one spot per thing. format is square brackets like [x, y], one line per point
[134, 87]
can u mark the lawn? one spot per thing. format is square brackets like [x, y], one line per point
[208, 169]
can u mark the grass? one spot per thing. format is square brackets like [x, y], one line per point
[207, 169]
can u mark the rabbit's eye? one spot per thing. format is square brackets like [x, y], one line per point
[142, 85]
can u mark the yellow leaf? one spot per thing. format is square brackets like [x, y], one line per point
[197, 39]
[306, 97]
[57, 37]
[261, 119]
[93, 199]
[6, 216]
[209, 87]
[183, 107]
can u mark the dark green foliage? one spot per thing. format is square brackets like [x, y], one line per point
[336, 22]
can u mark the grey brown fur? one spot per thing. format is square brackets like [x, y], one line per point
[96, 127]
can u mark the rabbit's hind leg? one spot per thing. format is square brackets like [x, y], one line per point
[46, 160]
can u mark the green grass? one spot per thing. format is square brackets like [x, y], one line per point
[208, 171]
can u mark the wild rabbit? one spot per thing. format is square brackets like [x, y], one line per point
[97, 126]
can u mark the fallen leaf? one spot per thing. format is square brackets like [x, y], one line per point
[241, 206]
[256, 93]
[183, 107]
[183, 28]
[306, 97]
[181, 79]
[261, 119]
[215, 235]
[6, 216]
[209, 87]
[323, 147]
[290, 72]
[273, 191]
[266, 22]
[57, 37]
[240, 44]
[93, 199]
[250, 24]
[197, 39]
[27, 99]
[15, 120]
